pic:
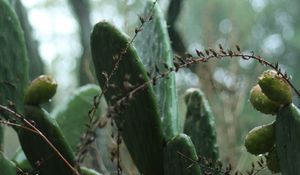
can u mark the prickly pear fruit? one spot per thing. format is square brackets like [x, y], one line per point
[41, 90]
[261, 102]
[261, 139]
[275, 87]
[273, 161]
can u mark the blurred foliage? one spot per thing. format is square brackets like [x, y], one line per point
[270, 28]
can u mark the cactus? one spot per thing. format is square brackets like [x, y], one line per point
[287, 139]
[199, 124]
[153, 55]
[37, 150]
[139, 122]
[21, 160]
[6, 166]
[13, 59]
[180, 157]
[71, 120]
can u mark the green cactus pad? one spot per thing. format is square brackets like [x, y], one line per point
[275, 87]
[178, 156]
[87, 171]
[41, 90]
[154, 54]
[260, 139]
[261, 102]
[1, 138]
[72, 115]
[37, 150]
[13, 59]
[21, 160]
[273, 161]
[7, 167]
[287, 139]
[139, 122]
[200, 124]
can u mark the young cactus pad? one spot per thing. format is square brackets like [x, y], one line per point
[36, 149]
[287, 139]
[178, 156]
[200, 125]
[72, 115]
[260, 139]
[275, 87]
[41, 90]
[6, 166]
[261, 102]
[13, 59]
[139, 122]
[153, 47]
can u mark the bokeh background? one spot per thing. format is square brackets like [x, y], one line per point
[57, 32]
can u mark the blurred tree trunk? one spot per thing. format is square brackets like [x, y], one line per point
[36, 66]
[81, 10]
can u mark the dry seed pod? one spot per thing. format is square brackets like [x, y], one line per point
[273, 161]
[261, 102]
[41, 90]
[275, 87]
[260, 139]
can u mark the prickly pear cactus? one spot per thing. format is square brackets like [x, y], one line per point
[13, 59]
[200, 125]
[153, 47]
[6, 166]
[178, 155]
[139, 122]
[287, 139]
[37, 150]
[72, 120]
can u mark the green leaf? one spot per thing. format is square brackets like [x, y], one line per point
[154, 49]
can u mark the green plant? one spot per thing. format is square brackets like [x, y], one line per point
[277, 140]
[137, 80]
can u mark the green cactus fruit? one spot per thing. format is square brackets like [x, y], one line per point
[275, 87]
[261, 102]
[200, 124]
[178, 156]
[260, 139]
[13, 60]
[21, 160]
[139, 121]
[87, 171]
[273, 161]
[41, 90]
[155, 31]
[37, 150]
[71, 120]
[287, 139]
[7, 167]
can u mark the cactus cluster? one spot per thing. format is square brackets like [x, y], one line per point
[147, 119]
[277, 140]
